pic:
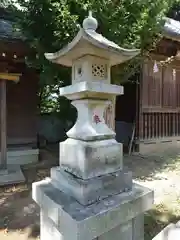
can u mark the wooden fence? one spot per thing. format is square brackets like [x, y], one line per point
[160, 125]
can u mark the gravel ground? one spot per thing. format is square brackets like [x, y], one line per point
[162, 174]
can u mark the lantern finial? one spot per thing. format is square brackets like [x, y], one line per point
[90, 23]
[90, 13]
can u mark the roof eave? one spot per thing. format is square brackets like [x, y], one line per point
[84, 35]
[53, 57]
[171, 37]
[171, 29]
[123, 51]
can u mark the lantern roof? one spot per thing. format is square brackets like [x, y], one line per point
[89, 42]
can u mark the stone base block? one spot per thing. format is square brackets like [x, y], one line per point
[12, 175]
[91, 159]
[116, 217]
[91, 190]
[125, 231]
[131, 230]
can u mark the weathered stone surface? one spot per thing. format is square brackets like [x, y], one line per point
[84, 70]
[123, 231]
[91, 159]
[89, 191]
[89, 222]
[48, 228]
[138, 227]
[131, 230]
[91, 90]
[87, 128]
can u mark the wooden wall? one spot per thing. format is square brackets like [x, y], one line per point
[22, 115]
[159, 106]
[161, 90]
[160, 101]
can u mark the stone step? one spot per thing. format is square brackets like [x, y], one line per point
[171, 232]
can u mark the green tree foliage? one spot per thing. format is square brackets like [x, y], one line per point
[175, 11]
[5, 3]
[48, 25]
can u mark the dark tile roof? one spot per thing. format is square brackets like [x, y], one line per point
[171, 29]
[8, 31]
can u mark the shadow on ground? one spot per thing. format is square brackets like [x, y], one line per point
[146, 167]
[19, 214]
[157, 219]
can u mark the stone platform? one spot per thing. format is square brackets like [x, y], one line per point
[64, 218]
[12, 175]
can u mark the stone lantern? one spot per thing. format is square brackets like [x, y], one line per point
[90, 195]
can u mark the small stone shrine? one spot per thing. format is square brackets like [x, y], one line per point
[90, 196]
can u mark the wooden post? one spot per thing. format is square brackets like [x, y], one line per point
[3, 133]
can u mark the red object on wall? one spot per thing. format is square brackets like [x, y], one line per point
[97, 119]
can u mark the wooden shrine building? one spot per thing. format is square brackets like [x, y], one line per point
[18, 98]
[149, 112]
